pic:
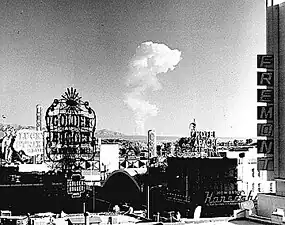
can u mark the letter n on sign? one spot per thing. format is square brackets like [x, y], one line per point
[265, 61]
[265, 129]
[265, 163]
[265, 146]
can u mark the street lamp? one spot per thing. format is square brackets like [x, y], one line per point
[148, 197]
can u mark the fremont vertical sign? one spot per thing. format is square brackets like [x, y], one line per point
[265, 112]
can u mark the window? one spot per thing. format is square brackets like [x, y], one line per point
[252, 172]
[259, 187]
[271, 187]
[252, 187]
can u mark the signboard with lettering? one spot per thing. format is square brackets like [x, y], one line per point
[151, 141]
[265, 61]
[265, 79]
[201, 144]
[29, 141]
[39, 119]
[265, 129]
[265, 146]
[76, 186]
[220, 198]
[265, 163]
[71, 125]
[265, 95]
[265, 112]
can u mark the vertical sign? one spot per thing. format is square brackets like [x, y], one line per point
[76, 186]
[265, 61]
[39, 110]
[265, 112]
[151, 141]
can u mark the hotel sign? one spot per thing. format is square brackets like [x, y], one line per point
[265, 130]
[265, 146]
[265, 61]
[71, 125]
[265, 163]
[265, 112]
[265, 95]
[265, 79]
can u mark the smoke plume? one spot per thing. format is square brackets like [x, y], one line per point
[149, 60]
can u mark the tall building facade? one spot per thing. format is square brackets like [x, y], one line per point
[275, 45]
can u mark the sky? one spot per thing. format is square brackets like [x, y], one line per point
[108, 49]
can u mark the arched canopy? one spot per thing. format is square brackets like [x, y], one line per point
[122, 174]
[120, 187]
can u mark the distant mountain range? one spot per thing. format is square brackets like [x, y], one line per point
[109, 134]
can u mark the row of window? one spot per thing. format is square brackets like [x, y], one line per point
[253, 172]
[259, 187]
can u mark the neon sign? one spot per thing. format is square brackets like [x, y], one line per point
[226, 198]
[71, 126]
[76, 186]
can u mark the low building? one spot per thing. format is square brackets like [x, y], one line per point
[250, 180]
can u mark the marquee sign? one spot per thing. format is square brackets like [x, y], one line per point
[71, 127]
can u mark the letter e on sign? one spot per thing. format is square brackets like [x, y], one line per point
[265, 61]
[265, 95]
[265, 146]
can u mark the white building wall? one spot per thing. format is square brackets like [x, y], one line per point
[249, 178]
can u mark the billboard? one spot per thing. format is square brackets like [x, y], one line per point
[29, 141]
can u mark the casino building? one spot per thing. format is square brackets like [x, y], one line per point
[274, 110]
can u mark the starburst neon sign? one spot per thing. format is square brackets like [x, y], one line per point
[71, 126]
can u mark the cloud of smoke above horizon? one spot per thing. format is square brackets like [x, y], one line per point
[149, 60]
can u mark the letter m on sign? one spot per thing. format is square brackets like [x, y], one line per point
[265, 112]
[265, 61]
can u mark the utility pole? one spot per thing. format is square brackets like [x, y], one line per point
[94, 198]
[148, 203]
